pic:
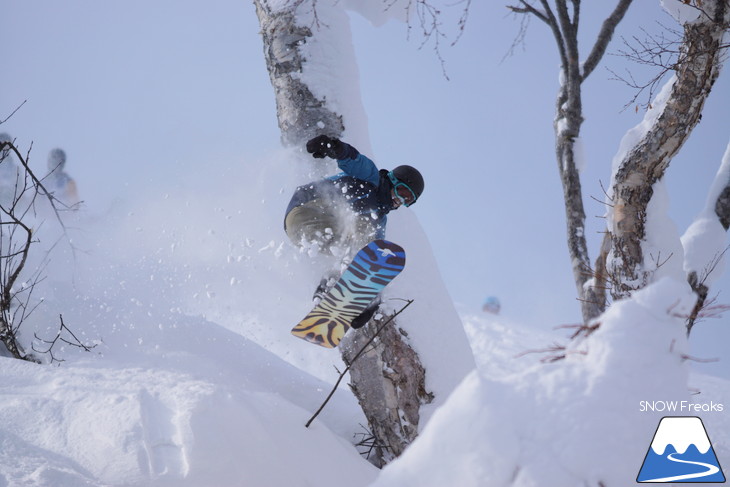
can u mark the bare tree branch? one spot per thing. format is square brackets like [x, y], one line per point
[569, 28]
[13, 112]
[74, 342]
[529, 9]
[559, 36]
[16, 240]
[604, 37]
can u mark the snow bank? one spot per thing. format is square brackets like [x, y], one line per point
[187, 403]
[167, 396]
[575, 422]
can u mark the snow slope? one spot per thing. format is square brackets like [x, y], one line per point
[577, 421]
[196, 381]
[166, 397]
[194, 378]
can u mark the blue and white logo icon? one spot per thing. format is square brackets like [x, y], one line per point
[680, 452]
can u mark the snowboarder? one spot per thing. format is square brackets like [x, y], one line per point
[342, 213]
[58, 182]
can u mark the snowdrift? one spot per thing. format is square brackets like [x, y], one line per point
[577, 421]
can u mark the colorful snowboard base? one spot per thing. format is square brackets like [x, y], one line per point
[372, 268]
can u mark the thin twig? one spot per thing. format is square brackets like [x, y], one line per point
[357, 355]
[13, 112]
[52, 343]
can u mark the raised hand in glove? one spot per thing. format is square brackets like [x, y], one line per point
[323, 145]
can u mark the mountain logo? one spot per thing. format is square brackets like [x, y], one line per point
[680, 452]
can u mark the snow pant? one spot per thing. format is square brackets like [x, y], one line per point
[319, 223]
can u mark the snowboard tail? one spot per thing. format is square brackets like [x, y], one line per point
[372, 268]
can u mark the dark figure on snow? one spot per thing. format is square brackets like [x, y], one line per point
[342, 213]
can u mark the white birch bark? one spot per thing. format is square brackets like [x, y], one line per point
[646, 162]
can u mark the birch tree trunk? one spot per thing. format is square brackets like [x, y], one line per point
[389, 379]
[696, 71]
[300, 113]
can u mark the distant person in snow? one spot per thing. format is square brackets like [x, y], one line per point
[342, 213]
[58, 182]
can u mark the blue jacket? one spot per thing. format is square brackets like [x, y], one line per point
[361, 186]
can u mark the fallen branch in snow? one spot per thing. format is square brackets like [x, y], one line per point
[686, 357]
[357, 355]
[581, 329]
[559, 352]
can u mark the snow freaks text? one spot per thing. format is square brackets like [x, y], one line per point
[680, 407]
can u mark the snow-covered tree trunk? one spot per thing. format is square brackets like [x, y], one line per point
[645, 163]
[301, 114]
[396, 394]
[298, 37]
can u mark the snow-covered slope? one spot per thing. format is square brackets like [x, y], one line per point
[166, 396]
[577, 421]
[194, 378]
[182, 417]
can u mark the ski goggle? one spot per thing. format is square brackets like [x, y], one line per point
[402, 191]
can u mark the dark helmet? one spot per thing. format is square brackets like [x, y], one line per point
[56, 159]
[410, 176]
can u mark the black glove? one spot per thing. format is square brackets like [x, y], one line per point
[323, 145]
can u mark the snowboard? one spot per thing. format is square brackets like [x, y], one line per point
[372, 268]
